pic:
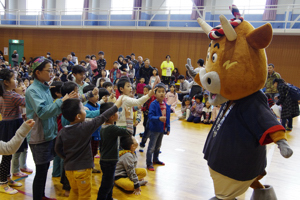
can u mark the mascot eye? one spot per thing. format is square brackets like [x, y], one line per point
[207, 55]
[214, 57]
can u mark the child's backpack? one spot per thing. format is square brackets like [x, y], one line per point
[294, 92]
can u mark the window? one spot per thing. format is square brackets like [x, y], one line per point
[120, 7]
[2, 6]
[180, 6]
[74, 7]
[33, 7]
[250, 6]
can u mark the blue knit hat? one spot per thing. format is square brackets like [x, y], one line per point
[160, 85]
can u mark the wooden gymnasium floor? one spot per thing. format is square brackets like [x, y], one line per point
[185, 175]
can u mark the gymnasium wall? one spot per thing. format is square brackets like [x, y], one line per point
[283, 52]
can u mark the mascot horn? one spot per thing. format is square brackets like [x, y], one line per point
[235, 71]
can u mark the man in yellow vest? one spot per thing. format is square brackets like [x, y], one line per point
[167, 68]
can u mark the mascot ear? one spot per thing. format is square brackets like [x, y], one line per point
[260, 37]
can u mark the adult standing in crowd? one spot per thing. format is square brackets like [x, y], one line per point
[1, 56]
[88, 68]
[74, 58]
[183, 88]
[128, 58]
[138, 66]
[101, 63]
[64, 69]
[196, 89]
[272, 75]
[71, 64]
[15, 58]
[290, 108]
[133, 59]
[146, 71]
[49, 57]
[167, 68]
[120, 59]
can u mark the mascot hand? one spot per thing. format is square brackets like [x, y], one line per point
[285, 149]
[190, 68]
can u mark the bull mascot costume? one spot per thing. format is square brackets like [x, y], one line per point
[234, 74]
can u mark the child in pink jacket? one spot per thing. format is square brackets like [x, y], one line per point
[154, 79]
[172, 98]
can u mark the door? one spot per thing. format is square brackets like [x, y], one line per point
[16, 45]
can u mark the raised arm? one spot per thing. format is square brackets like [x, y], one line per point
[10, 147]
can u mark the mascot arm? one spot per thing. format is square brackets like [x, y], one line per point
[279, 138]
[278, 135]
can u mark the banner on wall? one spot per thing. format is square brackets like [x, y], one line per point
[5, 52]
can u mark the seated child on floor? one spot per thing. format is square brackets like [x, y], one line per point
[205, 96]
[185, 107]
[214, 113]
[196, 109]
[206, 113]
[73, 145]
[127, 176]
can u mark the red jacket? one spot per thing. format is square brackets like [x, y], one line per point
[140, 88]
[146, 105]
[111, 74]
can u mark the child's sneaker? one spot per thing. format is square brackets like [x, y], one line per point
[14, 183]
[181, 117]
[159, 163]
[143, 182]
[289, 129]
[150, 168]
[141, 149]
[20, 174]
[8, 190]
[26, 170]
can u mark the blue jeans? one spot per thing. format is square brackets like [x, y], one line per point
[154, 147]
[145, 137]
[194, 119]
[146, 131]
[108, 179]
[19, 161]
[180, 96]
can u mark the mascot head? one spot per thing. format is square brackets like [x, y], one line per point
[236, 62]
